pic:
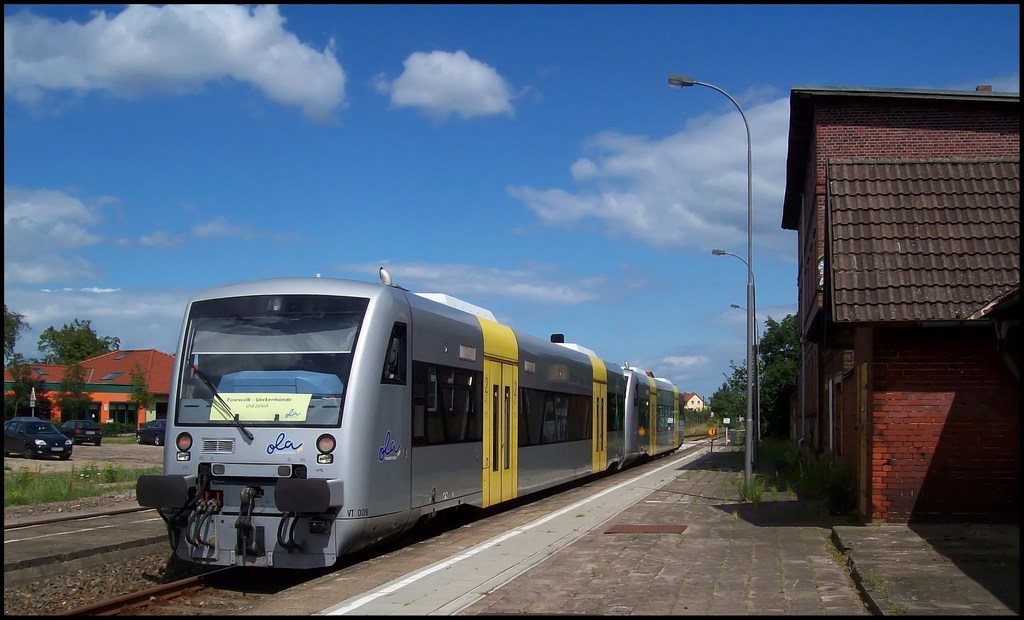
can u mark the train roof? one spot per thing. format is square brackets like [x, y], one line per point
[459, 304]
[292, 286]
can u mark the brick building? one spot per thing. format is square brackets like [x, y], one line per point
[108, 381]
[907, 207]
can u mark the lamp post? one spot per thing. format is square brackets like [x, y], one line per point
[753, 372]
[683, 81]
[757, 379]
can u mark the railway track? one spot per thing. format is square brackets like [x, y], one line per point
[75, 517]
[138, 602]
[230, 590]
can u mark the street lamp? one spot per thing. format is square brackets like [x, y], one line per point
[682, 81]
[753, 372]
[757, 379]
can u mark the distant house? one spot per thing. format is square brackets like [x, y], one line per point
[108, 381]
[692, 402]
[907, 208]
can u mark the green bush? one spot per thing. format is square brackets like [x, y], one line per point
[827, 479]
[823, 478]
[111, 429]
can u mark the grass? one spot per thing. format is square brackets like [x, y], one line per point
[34, 487]
[752, 492]
[120, 440]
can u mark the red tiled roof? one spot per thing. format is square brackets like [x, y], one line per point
[920, 240]
[45, 372]
[115, 368]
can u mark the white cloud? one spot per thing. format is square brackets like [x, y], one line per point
[160, 239]
[475, 282]
[443, 83]
[685, 190]
[172, 48]
[41, 227]
[140, 319]
[220, 227]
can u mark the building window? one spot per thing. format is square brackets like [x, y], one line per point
[125, 413]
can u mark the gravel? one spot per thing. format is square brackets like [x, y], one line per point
[66, 591]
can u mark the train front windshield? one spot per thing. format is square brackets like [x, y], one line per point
[268, 360]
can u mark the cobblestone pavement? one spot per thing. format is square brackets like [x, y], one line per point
[774, 557]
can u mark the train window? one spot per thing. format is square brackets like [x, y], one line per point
[552, 417]
[299, 345]
[394, 357]
[447, 404]
[524, 418]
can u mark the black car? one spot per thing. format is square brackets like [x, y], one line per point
[153, 432]
[82, 431]
[34, 438]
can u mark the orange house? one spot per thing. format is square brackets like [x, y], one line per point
[108, 381]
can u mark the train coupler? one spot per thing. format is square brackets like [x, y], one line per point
[249, 540]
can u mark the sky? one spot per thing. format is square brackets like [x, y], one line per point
[532, 160]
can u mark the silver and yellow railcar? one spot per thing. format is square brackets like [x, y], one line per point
[312, 417]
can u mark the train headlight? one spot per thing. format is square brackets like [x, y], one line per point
[325, 444]
[184, 444]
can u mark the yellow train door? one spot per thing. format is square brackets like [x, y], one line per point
[677, 420]
[500, 445]
[652, 416]
[599, 419]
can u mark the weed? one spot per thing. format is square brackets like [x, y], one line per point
[34, 487]
[753, 491]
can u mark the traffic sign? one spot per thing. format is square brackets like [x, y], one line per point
[711, 431]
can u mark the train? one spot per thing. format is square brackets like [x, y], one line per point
[310, 418]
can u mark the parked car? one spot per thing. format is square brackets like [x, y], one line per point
[34, 438]
[152, 432]
[81, 431]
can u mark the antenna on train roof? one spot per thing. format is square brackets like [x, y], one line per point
[385, 276]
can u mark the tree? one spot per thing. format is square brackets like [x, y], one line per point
[778, 355]
[140, 395]
[23, 380]
[73, 399]
[730, 400]
[779, 359]
[74, 343]
[14, 324]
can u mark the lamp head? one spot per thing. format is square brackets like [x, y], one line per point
[718, 252]
[680, 80]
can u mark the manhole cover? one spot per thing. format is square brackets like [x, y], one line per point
[646, 528]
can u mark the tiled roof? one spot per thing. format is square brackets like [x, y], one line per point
[921, 240]
[804, 101]
[115, 368]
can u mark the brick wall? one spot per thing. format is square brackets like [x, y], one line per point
[945, 427]
[863, 129]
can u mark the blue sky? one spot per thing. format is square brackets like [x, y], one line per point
[528, 159]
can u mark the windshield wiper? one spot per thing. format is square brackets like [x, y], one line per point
[216, 395]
